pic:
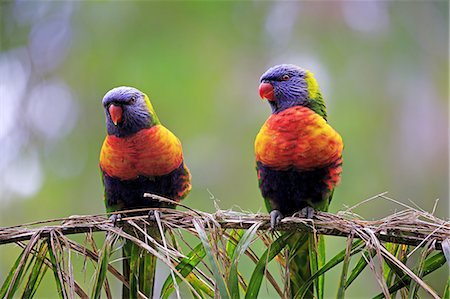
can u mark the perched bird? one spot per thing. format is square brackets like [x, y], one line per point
[139, 155]
[298, 155]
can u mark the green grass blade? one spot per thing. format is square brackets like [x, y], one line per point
[126, 256]
[313, 259]
[8, 280]
[413, 286]
[29, 264]
[147, 273]
[296, 258]
[400, 251]
[37, 273]
[337, 259]
[134, 270]
[345, 265]
[316, 261]
[242, 246]
[19, 268]
[359, 267]
[397, 250]
[220, 283]
[446, 294]
[200, 286]
[56, 268]
[102, 269]
[235, 237]
[394, 268]
[431, 264]
[391, 247]
[321, 262]
[184, 267]
[446, 250]
[258, 273]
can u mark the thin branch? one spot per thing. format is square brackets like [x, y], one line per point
[409, 226]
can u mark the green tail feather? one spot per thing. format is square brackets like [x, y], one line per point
[126, 255]
[306, 255]
[147, 271]
[299, 263]
[139, 267]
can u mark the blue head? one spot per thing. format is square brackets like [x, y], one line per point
[127, 111]
[287, 85]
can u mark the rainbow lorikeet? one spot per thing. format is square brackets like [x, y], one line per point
[298, 156]
[139, 155]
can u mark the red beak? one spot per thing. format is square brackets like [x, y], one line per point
[116, 113]
[266, 91]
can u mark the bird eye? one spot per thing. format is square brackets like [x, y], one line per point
[285, 77]
[132, 100]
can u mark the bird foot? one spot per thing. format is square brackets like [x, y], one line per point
[275, 219]
[307, 212]
[151, 216]
[114, 218]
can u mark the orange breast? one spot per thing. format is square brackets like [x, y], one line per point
[149, 152]
[297, 137]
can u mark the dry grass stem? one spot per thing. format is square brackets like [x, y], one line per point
[410, 226]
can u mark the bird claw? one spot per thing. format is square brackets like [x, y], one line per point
[275, 219]
[307, 212]
[151, 216]
[114, 218]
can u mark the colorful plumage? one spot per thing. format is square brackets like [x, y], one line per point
[298, 154]
[139, 155]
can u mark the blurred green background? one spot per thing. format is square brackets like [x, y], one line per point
[382, 67]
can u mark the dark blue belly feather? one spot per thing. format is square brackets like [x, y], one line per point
[290, 190]
[129, 194]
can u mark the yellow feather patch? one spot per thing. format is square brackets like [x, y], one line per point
[150, 108]
[313, 86]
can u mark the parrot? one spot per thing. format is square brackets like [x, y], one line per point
[139, 155]
[298, 158]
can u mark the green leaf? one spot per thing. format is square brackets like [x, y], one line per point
[414, 287]
[56, 268]
[147, 271]
[356, 247]
[345, 264]
[8, 280]
[134, 270]
[242, 246]
[316, 261]
[394, 268]
[199, 285]
[321, 262]
[359, 267]
[400, 252]
[220, 283]
[235, 237]
[15, 277]
[313, 259]
[258, 273]
[184, 267]
[446, 250]
[446, 294]
[391, 247]
[297, 245]
[37, 273]
[431, 264]
[102, 269]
